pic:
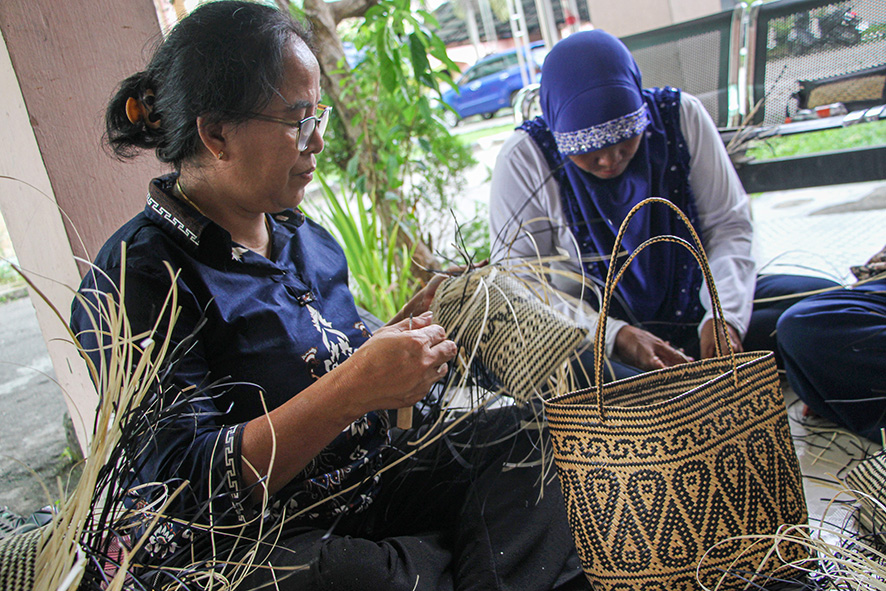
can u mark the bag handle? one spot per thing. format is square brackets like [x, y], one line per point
[612, 279]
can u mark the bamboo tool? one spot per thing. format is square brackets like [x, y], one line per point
[404, 415]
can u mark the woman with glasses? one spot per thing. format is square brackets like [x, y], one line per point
[298, 431]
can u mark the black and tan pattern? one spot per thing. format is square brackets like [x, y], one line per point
[18, 560]
[876, 265]
[662, 470]
[868, 479]
[516, 336]
[677, 462]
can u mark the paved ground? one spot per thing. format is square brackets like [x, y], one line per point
[32, 410]
[822, 230]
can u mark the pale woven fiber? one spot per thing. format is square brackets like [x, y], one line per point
[869, 479]
[495, 318]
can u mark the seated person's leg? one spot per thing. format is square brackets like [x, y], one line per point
[583, 369]
[834, 350]
[450, 517]
[761, 335]
[314, 559]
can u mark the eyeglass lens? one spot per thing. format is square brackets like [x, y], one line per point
[308, 126]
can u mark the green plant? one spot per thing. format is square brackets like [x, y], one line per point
[380, 284]
[468, 138]
[9, 277]
[389, 144]
[854, 136]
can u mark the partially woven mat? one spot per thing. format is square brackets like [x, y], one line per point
[18, 558]
[516, 337]
[869, 478]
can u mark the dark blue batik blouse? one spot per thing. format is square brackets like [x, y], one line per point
[272, 327]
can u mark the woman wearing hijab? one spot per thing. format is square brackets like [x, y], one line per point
[564, 182]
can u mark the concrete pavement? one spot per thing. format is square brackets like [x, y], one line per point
[32, 411]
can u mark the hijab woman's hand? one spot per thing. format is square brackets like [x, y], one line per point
[706, 340]
[646, 351]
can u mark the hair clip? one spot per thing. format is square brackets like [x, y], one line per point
[143, 110]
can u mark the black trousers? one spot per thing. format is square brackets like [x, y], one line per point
[456, 516]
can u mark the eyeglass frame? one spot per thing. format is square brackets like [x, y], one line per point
[303, 138]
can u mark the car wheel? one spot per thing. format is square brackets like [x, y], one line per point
[450, 118]
[489, 115]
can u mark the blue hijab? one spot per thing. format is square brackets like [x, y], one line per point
[591, 98]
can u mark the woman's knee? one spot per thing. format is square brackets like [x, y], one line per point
[794, 326]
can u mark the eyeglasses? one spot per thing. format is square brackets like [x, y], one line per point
[306, 126]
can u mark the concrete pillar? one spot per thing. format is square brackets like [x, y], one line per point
[61, 193]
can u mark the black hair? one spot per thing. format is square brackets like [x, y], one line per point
[222, 61]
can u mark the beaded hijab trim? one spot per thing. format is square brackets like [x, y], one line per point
[602, 135]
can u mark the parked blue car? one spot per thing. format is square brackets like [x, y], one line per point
[493, 82]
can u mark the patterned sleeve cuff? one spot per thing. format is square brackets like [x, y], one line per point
[231, 439]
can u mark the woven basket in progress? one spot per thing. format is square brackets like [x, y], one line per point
[497, 320]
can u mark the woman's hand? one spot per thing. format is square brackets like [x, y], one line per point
[706, 339]
[397, 366]
[646, 351]
[421, 301]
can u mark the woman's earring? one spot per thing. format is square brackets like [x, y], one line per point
[220, 155]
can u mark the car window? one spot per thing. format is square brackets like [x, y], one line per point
[492, 66]
[509, 61]
[482, 69]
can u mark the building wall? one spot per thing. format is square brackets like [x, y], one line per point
[627, 17]
[62, 194]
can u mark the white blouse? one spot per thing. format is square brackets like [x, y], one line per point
[527, 221]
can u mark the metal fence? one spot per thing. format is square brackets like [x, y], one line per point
[807, 53]
[755, 69]
[698, 56]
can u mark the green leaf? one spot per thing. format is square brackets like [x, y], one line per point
[387, 67]
[420, 64]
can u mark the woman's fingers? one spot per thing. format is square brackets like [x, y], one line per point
[646, 351]
[398, 365]
[670, 356]
[707, 340]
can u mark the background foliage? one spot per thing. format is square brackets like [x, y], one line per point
[388, 149]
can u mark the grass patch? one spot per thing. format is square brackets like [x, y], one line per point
[470, 137]
[813, 142]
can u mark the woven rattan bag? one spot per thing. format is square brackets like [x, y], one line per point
[497, 320]
[658, 469]
[18, 560]
[868, 480]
